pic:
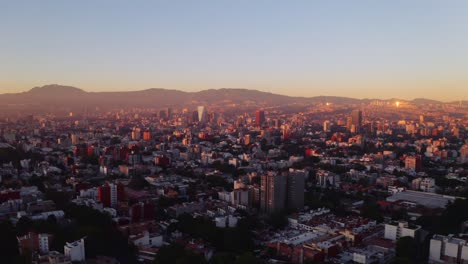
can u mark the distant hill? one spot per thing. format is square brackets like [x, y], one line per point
[54, 89]
[425, 101]
[55, 97]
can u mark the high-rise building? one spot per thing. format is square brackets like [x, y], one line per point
[147, 135]
[169, 112]
[75, 250]
[136, 133]
[295, 183]
[259, 117]
[327, 126]
[247, 140]
[141, 211]
[464, 154]
[194, 116]
[34, 242]
[356, 119]
[201, 114]
[162, 114]
[277, 123]
[448, 249]
[349, 123]
[282, 190]
[413, 163]
[272, 192]
[421, 119]
[74, 139]
[109, 194]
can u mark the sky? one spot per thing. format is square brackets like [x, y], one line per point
[362, 49]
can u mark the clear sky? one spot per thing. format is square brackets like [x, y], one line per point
[363, 49]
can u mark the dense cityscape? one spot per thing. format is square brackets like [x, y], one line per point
[350, 181]
[233, 132]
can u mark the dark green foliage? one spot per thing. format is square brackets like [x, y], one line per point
[236, 240]
[93, 160]
[370, 209]
[102, 236]
[278, 220]
[25, 225]
[60, 198]
[166, 202]
[246, 258]
[224, 167]
[401, 214]
[38, 182]
[218, 181]
[15, 155]
[8, 244]
[223, 258]
[453, 216]
[178, 255]
[138, 183]
[405, 250]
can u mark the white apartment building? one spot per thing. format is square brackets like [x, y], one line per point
[396, 230]
[448, 249]
[75, 250]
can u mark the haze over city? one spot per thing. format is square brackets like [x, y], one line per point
[359, 49]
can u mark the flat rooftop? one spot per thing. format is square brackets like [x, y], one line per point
[429, 200]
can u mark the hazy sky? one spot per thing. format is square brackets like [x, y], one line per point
[384, 49]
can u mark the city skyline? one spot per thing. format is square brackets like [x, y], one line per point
[362, 49]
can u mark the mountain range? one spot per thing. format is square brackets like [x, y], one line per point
[53, 97]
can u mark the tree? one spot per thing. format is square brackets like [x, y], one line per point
[278, 220]
[370, 209]
[102, 236]
[8, 244]
[401, 214]
[223, 258]
[231, 240]
[454, 214]
[178, 255]
[24, 225]
[405, 250]
[246, 258]
[138, 183]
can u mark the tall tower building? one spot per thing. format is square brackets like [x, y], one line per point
[74, 139]
[162, 114]
[201, 114]
[259, 117]
[272, 192]
[194, 117]
[295, 189]
[464, 154]
[422, 119]
[282, 190]
[169, 112]
[109, 194]
[327, 126]
[136, 133]
[356, 119]
[413, 163]
[349, 123]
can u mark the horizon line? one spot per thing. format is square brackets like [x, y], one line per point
[237, 88]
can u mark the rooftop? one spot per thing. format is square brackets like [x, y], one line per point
[430, 200]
